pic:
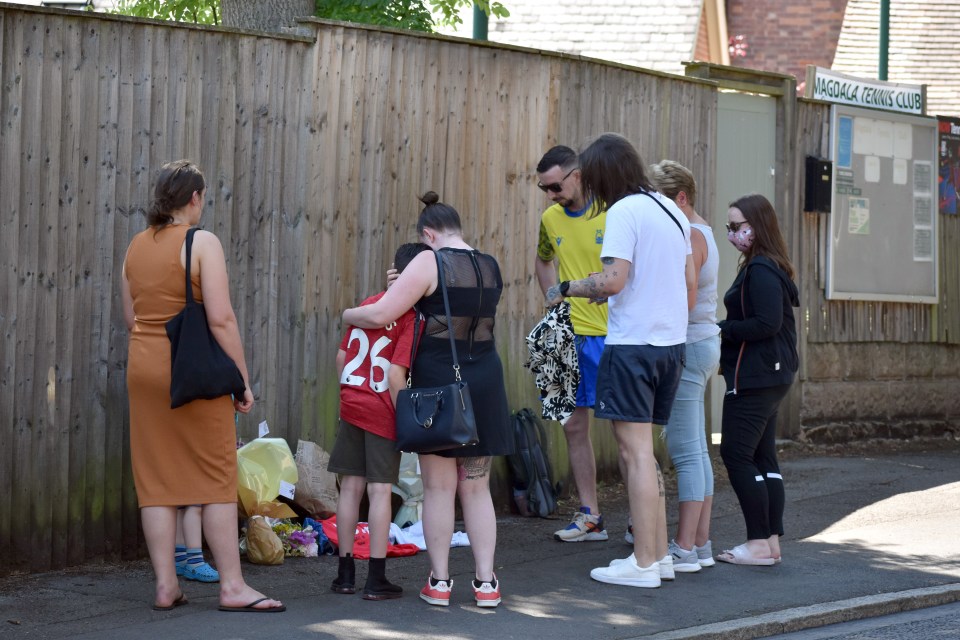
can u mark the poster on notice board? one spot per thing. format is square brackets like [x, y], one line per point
[948, 151]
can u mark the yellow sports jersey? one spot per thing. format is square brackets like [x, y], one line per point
[575, 240]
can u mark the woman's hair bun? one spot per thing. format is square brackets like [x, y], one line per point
[429, 198]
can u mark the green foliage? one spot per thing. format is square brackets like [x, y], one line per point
[449, 10]
[418, 15]
[402, 14]
[197, 11]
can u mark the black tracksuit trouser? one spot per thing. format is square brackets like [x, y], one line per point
[749, 452]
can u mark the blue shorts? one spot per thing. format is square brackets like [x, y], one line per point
[589, 350]
[637, 383]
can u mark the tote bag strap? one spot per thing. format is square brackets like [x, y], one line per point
[416, 326]
[189, 244]
[446, 307]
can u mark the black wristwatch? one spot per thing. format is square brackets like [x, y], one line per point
[564, 287]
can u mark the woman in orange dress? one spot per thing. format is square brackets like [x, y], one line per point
[187, 455]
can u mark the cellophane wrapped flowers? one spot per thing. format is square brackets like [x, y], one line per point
[298, 541]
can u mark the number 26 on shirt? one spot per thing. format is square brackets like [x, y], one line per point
[376, 362]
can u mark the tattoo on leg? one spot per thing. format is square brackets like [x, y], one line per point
[660, 482]
[473, 468]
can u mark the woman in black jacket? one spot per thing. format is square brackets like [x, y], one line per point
[758, 360]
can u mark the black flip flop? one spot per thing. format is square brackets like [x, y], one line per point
[252, 608]
[179, 602]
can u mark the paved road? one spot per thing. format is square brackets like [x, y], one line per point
[868, 534]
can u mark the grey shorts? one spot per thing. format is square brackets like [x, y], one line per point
[637, 383]
[360, 453]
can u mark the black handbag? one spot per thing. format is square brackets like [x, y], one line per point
[199, 367]
[436, 418]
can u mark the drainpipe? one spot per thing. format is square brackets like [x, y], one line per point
[480, 23]
[884, 39]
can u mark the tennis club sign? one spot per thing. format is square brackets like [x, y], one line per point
[832, 86]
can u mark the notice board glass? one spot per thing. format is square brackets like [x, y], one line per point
[883, 223]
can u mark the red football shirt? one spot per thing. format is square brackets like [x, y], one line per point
[364, 388]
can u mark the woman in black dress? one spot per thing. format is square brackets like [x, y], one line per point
[474, 286]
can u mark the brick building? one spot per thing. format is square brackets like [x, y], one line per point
[783, 36]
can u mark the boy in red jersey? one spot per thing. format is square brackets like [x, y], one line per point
[372, 364]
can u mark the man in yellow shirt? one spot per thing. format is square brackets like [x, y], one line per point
[571, 235]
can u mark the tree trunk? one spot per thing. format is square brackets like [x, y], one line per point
[266, 15]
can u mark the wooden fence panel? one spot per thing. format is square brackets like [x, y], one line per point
[314, 153]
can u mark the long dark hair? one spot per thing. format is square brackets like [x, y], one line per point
[611, 169]
[175, 186]
[437, 215]
[767, 239]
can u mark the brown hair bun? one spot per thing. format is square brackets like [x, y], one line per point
[429, 198]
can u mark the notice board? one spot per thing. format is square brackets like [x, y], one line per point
[883, 223]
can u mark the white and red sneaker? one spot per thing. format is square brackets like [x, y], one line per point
[487, 594]
[437, 592]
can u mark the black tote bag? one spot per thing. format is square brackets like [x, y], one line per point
[199, 367]
[431, 419]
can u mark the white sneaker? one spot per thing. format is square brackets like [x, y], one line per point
[665, 563]
[666, 567]
[705, 554]
[628, 574]
[683, 561]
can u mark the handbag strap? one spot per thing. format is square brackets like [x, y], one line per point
[446, 307]
[416, 326]
[672, 217]
[189, 242]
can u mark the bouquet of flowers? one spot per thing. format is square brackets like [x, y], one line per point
[298, 540]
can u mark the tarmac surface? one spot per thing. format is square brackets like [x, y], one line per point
[870, 531]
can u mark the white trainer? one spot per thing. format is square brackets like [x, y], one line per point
[628, 574]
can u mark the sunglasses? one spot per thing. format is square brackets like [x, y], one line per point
[735, 226]
[556, 187]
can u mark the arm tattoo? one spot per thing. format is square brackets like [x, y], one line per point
[473, 468]
[606, 260]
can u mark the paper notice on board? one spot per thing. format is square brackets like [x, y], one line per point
[871, 169]
[900, 171]
[902, 140]
[883, 138]
[923, 245]
[859, 216]
[922, 210]
[922, 177]
[863, 136]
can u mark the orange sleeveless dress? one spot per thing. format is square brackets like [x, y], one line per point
[180, 456]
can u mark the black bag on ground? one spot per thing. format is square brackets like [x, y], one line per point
[199, 367]
[533, 490]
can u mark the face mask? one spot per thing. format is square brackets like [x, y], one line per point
[742, 239]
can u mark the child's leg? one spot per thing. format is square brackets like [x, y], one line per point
[379, 518]
[180, 551]
[196, 568]
[348, 512]
[377, 586]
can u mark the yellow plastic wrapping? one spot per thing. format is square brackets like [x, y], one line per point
[263, 465]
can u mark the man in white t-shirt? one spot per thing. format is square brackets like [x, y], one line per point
[647, 270]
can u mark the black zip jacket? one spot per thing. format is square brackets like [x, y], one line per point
[758, 339]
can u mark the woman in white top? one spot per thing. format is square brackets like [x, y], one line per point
[686, 430]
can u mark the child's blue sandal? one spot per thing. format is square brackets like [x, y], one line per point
[202, 572]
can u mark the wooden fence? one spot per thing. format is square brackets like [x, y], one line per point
[314, 153]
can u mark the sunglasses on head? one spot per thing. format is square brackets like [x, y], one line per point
[556, 187]
[735, 226]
